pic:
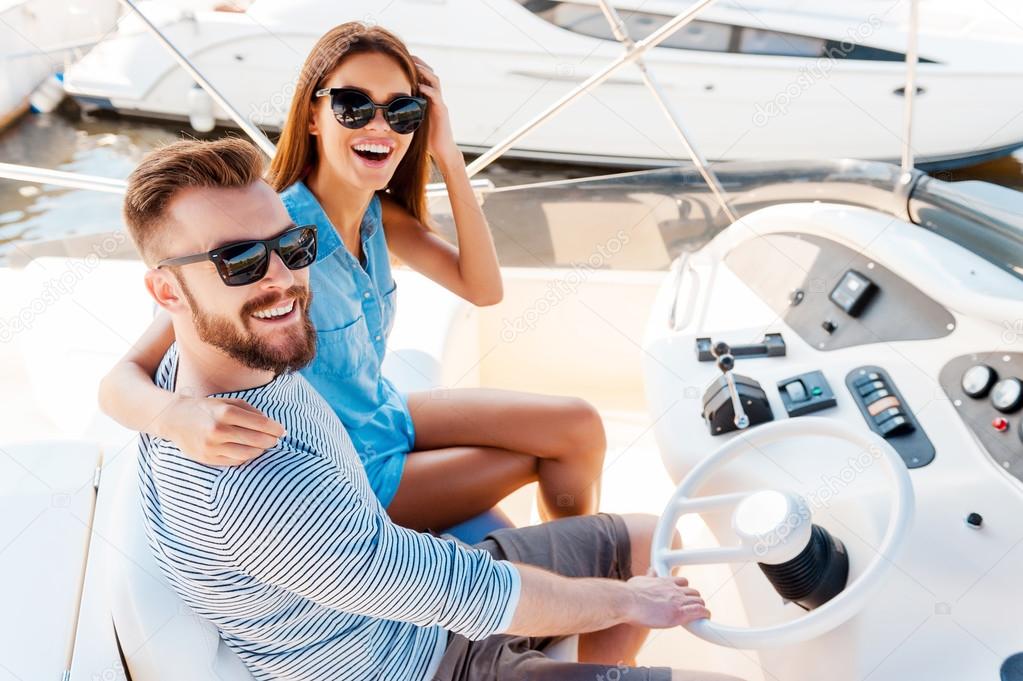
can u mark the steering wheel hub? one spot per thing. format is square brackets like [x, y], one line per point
[776, 524]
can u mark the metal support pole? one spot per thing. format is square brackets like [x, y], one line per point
[637, 51]
[621, 33]
[60, 178]
[912, 60]
[261, 140]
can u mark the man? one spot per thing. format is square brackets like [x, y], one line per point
[290, 555]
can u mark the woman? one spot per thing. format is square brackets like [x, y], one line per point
[354, 159]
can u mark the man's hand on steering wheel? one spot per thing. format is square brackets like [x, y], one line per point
[662, 602]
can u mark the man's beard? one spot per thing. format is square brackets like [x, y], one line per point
[248, 348]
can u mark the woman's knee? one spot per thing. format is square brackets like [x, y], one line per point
[584, 430]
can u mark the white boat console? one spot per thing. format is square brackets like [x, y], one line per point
[830, 313]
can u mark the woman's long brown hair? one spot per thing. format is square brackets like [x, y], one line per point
[296, 149]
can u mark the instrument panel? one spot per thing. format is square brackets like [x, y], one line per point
[987, 391]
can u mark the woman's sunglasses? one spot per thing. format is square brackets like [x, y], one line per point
[246, 262]
[354, 109]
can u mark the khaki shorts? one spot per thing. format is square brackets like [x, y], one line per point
[588, 546]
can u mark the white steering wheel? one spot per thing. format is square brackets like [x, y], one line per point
[760, 538]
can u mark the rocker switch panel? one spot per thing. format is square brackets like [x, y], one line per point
[887, 414]
[806, 393]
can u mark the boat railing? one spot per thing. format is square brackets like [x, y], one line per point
[60, 178]
[984, 218]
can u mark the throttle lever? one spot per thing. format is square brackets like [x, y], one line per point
[726, 362]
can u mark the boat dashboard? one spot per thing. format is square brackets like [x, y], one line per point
[840, 312]
[837, 312]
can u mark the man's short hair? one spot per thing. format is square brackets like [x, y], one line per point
[227, 163]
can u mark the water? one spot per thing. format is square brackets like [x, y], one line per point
[108, 148]
[111, 147]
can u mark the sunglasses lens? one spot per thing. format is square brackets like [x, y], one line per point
[298, 248]
[242, 263]
[352, 109]
[405, 114]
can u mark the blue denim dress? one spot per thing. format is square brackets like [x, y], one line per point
[353, 312]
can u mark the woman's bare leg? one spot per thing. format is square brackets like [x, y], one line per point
[564, 435]
[440, 488]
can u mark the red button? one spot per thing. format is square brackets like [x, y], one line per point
[1000, 424]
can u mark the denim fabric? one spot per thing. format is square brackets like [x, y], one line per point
[353, 312]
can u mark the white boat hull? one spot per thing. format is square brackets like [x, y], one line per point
[36, 36]
[512, 64]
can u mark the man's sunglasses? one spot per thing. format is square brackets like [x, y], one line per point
[354, 109]
[246, 262]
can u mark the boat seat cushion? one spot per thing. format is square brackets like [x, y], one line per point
[160, 636]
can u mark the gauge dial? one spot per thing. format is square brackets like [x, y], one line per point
[978, 379]
[1007, 395]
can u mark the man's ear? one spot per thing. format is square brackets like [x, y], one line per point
[166, 291]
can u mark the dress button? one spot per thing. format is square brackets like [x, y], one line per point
[378, 336]
[367, 294]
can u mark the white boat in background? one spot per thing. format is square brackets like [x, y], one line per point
[36, 36]
[794, 79]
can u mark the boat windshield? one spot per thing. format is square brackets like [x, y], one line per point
[982, 217]
[644, 220]
[707, 36]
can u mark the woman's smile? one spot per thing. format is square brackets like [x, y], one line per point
[373, 152]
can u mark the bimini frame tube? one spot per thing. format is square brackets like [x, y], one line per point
[60, 178]
[621, 33]
[912, 61]
[261, 140]
[109, 185]
[631, 55]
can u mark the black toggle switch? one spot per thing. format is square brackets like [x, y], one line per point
[888, 413]
[868, 388]
[796, 391]
[853, 293]
[897, 425]
[872, 397]
[806, 393]
[867, 378]
[829, 326]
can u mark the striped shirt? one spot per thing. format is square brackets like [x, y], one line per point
[295, 561]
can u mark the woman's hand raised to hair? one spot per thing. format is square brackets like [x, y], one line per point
[442, 141]
[217, 431]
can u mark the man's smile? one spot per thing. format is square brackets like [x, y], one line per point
[281, 311]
